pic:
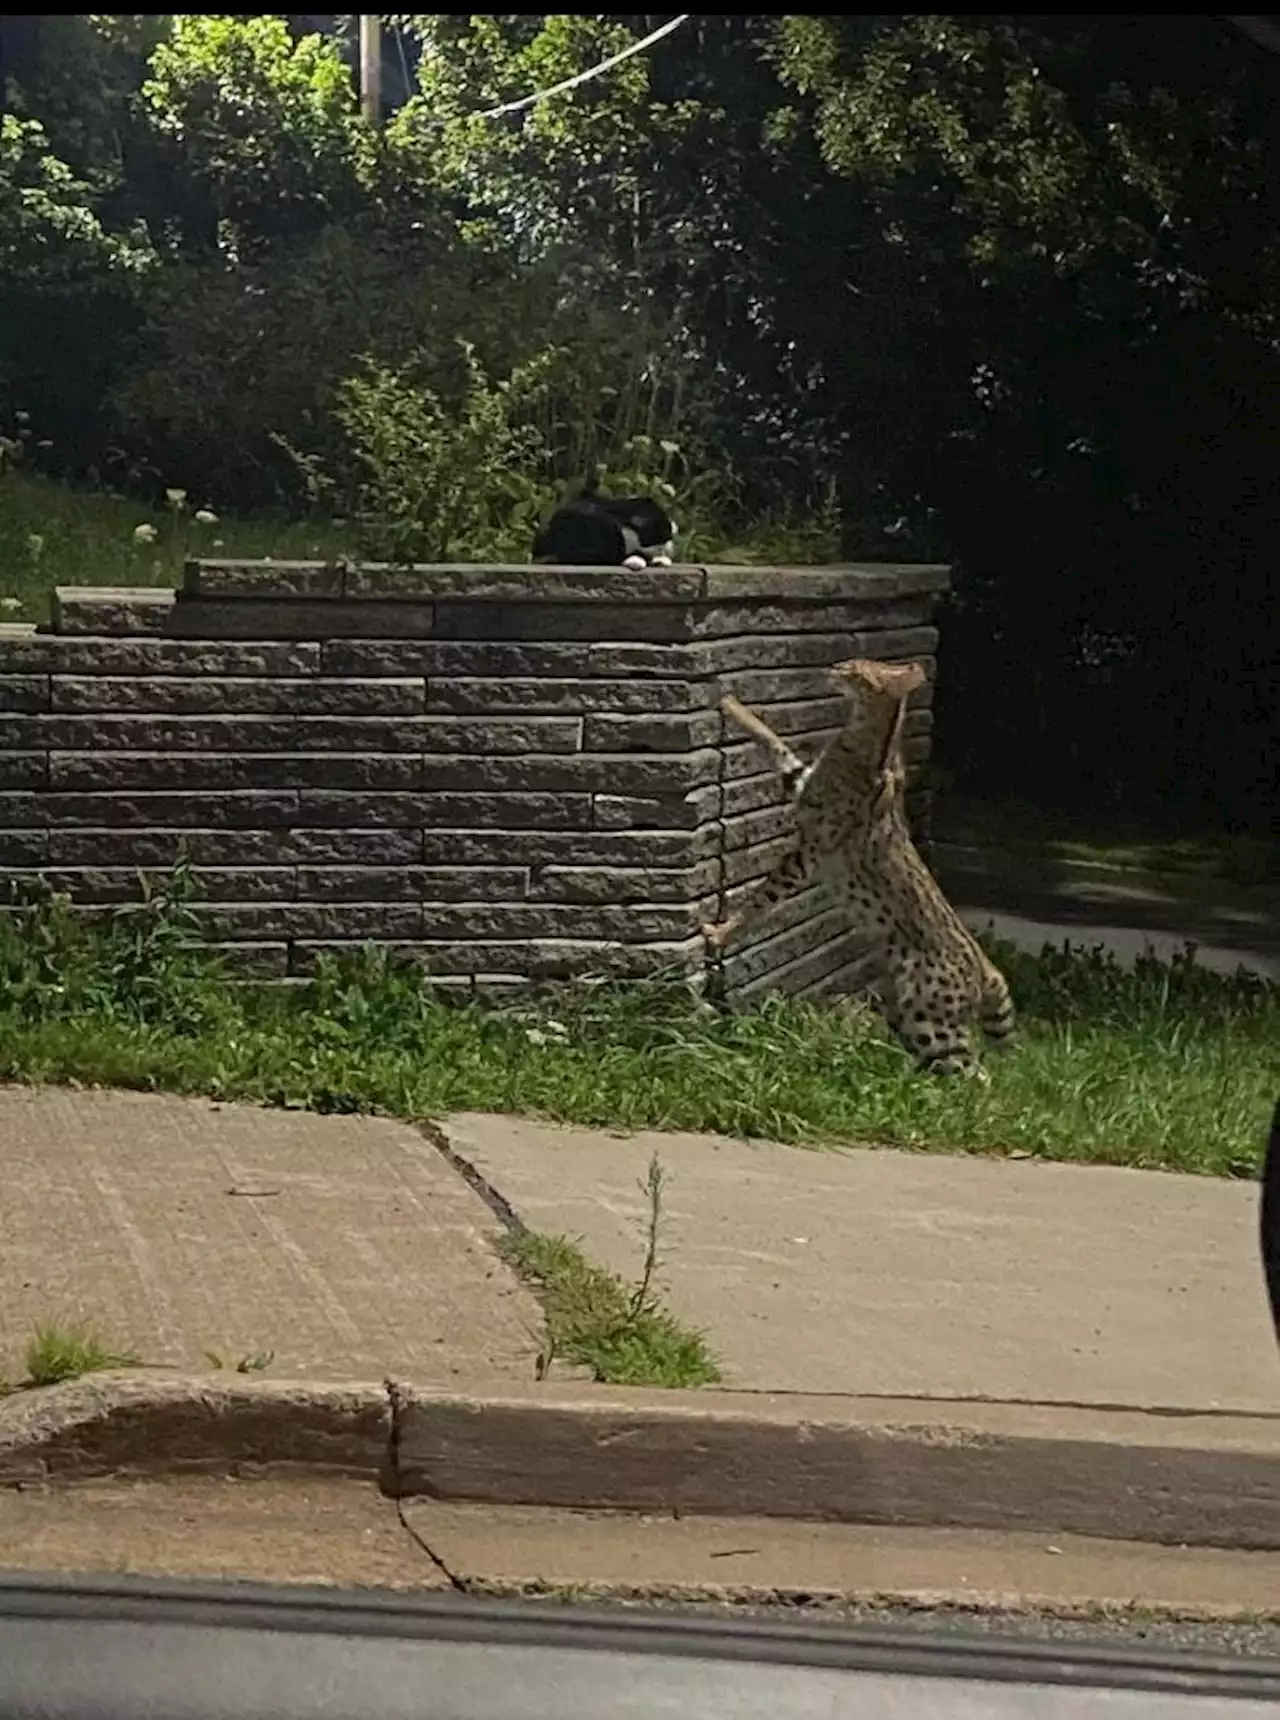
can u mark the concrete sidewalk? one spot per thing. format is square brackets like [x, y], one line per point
[343, 1532]
[343, 1247]
[911, 1274]
[350, 1248]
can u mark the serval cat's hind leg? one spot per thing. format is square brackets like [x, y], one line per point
[929, 1012]
[995, 1007]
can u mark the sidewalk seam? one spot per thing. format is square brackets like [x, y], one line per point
[436, 1136]
[492, 1196]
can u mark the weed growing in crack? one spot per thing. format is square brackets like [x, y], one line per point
[58, 1353]
[652, 1188]
[620, 1334]
[256, 1362]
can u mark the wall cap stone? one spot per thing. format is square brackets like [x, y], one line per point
[382, 581]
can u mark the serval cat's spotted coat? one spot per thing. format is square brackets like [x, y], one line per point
[929, 975]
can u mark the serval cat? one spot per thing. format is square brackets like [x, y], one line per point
[929, 976]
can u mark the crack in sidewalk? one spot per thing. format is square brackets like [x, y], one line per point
[395, 1404]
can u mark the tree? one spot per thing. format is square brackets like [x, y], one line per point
[74, 256]
[264, 129]
[1091, 208]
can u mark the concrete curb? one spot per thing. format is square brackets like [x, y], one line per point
[1202, 1480]
[136, 1425]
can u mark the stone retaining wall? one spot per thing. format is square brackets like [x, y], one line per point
[509, 773]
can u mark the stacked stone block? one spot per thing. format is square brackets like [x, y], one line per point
[510, 774]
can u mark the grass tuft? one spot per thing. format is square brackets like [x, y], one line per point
[59, 1353]
[594, 1321]
[256, 1362]
[622, 1336]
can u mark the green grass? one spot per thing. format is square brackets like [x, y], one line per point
[51, 534]
[1164, 1065]
[59, 1353]
[621, 1336]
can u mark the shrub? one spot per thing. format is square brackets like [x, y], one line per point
[441, 478]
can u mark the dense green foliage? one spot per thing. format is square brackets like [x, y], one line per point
[999, 288]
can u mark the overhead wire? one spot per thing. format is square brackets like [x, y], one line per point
[580, 78]
[583, 77]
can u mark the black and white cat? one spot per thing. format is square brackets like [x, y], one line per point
[607, 531]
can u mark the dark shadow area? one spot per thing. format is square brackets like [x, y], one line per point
[1269, 1218]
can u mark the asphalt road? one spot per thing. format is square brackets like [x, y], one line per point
[110, 1648]
[1125, 942]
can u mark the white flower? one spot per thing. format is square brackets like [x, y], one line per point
[176, 498]
[10, 603]
[205, 517]
[535, 1036]
[144, 534]
[35, 544]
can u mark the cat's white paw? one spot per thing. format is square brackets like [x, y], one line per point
[636, 563]
[661, 561]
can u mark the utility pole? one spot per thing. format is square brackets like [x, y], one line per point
[371, 69]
